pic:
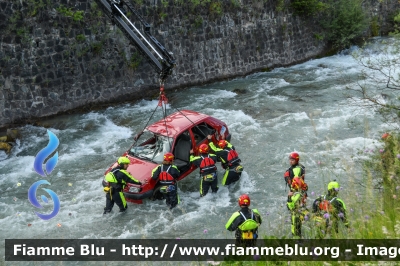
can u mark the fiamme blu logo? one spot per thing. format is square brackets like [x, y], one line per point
[49, 167]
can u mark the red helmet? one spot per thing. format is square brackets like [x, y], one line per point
[294, 155]
[222, 143]
[244, 200]
[385, 135]
[169, 157]
[203, 148]
[297, 183]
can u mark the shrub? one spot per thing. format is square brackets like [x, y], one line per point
[307, 7]
[216, 8]
[374, 26]
[396, 21]
[80, 38]
[344, 21]
[134, 61]
[68, 12]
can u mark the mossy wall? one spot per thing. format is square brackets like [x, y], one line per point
[58, 55]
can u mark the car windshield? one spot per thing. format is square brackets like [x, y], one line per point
[152, 147]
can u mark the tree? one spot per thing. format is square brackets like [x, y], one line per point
[380, 84]
[343, 22]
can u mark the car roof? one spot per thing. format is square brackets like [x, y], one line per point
[176, 123]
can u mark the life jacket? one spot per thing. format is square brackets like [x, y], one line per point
[207, 165]
[233, 158]
[110, 177]
[297, 204]
[325, 205]
[113, 181]
[293, 172]
[165, 177]
[248, 227]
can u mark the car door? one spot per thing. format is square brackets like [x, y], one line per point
[200, 133]
[181, 151]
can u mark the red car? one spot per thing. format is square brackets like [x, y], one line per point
[177, 133]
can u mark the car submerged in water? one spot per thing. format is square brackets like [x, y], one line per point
[177, 133]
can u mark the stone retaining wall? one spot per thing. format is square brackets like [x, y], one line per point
[55, 58]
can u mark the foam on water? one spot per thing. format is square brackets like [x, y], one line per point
[236, 120]
[300, 108]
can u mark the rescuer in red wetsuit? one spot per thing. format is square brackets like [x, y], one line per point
[167, 173]
[296, 169]
[229, 160]
[208, 169]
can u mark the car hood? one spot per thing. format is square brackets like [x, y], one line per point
[140, 169]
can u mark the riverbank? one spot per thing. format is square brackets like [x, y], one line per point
[151, 95]
[62, 58]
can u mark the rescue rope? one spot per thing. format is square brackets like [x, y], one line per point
[163, 102]
[141, 132]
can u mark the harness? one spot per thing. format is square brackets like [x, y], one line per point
[326, 205]
[165, 177]
[207, 165]
[110, 177]
[291, 173]
[112, 182]
[232, 158]
[166, 180]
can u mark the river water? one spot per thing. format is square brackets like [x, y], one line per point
[304, 108]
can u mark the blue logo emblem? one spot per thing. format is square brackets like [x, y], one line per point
[50, 165]
[32, 198]
[44, 153]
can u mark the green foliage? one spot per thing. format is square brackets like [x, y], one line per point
[82, 52]
[80, 37]
[13, 20]
[134, 61]
[396, 20]
[307, 7]
[162, 15]
[343, 22]
[216, 8]
[37, 5]
[95, 11]
[198, 22]
[384, 165]
[375, 26]
[164, 3]
[385, 169]
[24, 34]
[319, 37]
[195, 2]
[68, 12]
[21, 32]
[235, 3]
[97, 47]
[179, 2]
[280, 5]
[284, 27]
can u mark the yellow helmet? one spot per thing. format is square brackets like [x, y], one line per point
[123, 160]
[333, 185]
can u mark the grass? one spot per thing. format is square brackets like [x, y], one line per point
[373, 204]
